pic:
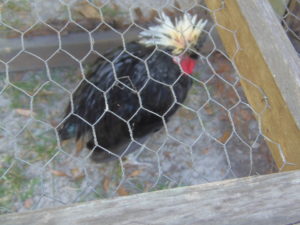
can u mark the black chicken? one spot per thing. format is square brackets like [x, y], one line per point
[130, 94]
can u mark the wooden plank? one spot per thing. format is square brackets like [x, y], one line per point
[77, 44]
[269, 199]
[265, 57]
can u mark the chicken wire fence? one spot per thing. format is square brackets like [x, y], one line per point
[289, 15]
[214, 135]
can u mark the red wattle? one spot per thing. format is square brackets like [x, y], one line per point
[188, 64]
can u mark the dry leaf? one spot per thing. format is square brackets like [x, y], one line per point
[167, 155]
[79, 177]
[135, 173]
[24, 112]
[53, 123]
[28, 203]
[232, 97]
[219, 89]
[223, 117]
[224, 137]
[177, 130]
[223, 67]
[177, 5]
[209, 110]
[77, 174]
[189, 164]
[59, 173]
[64, 142]
[147, 187]
[153, 15]
[45, 92]
[115, 7]
[79, 146]
[236, 119]
[98, 3]
[169, 12]
[106, 183]
[88, 11]
[186, 114]
[246, 115]
[75, 171]
[205, 151]
[138, 12]
[122, 191]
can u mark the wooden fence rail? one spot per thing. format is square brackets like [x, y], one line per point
[269, 200]
[78, 44]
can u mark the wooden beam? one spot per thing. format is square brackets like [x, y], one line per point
[269, 199]
[77, 44]
[268, 63]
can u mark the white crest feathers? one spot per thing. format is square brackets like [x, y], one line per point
[179, 36]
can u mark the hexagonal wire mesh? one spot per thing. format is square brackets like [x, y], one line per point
[214, 134]
[289, 15]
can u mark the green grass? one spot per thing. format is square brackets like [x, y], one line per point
[17, 98]
[68, 77]
[197, 75]
[29, 81]
[2, 78]
[15, 186]
[39, 147]
[15, 13]
[161, 186]
[31, 186]
[45, 148]
[167, 185]
[26, 86]
[109, 12]
[118, 172]
[18, 5]
[37, 142]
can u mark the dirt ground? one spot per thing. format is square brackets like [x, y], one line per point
[213, 136]
[200, 146]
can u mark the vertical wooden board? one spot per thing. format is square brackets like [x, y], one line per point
[257, 78]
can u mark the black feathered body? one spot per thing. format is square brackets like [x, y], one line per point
[126, 96]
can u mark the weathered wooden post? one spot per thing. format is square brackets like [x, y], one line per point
[268, 63]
